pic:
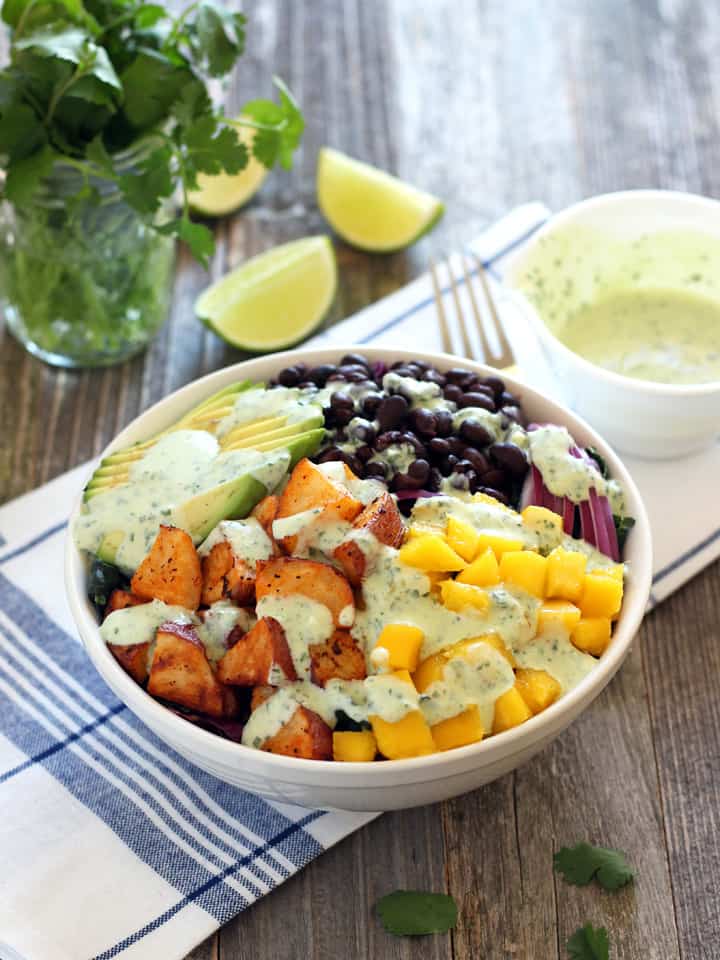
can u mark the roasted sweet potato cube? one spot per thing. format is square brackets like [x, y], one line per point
[265, 512]
[339, 657]
[308, 487]
[383, 520]
[285, 576]
[226, 576]
[304, 735]
[250, 659]
[171, 571]
[180, 672]
[260, 694]
[120, 599]
[132, 657]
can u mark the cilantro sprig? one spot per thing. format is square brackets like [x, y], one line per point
[409, 913]
[589, 943]
[583, 863]
[88, 79]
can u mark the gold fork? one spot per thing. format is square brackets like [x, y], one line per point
[472, 266]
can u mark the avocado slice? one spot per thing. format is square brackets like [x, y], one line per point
[284, 433]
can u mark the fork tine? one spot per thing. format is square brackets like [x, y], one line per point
[437, 292]
[484, 343]
[467, 346]
[507, 355]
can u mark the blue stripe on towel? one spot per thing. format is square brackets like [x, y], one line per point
[36, 541]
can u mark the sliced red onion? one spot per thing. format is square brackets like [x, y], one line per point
[606, 512]
[587, 527]
[568, 516]
[378, 367]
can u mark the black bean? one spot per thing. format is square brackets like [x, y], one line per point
[320, 374]
[403, 370]
[397, 364]
[448, 464]
[434, 376]
[510, 457]
[340, 399]
[443, 423]
[343, 415]
[463, 466]
[459, 481]
[477, 387]
[476, 400]
[497, 494]
[424, 422]
[495, 478]
[356, 376]
[356, 359]
[289, 377]
[439, 447]
[452, 392]
[332, 453]
[370, 405]
[419, 470]
[363, 431]
[403, 481]
[456, 445]
[515, 414]
[496, 385]
[364, 452]
[388, 438]
[355, 464]
[477, 459]
[376, 469]
[306, 384]
[391, 412]
[417, 444]
[405, 506]
[422, 365]
[434, 480]
[507, 399]
[352, 368]
[459, 376]
[474, 433]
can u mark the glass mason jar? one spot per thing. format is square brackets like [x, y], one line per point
[83, 282]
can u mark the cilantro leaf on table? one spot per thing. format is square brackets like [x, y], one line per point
[589, 943]
[583, 863]
[406, 913]
[279, 127]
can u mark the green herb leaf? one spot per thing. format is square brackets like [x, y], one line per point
[145, 187]
[583, 863]
[30, 14]
[24, 176]
[412, 912]
[623, 526]
[148, 14]
[281, 125]
[20, 132]
[152, 84]
[219, 38]
[589, 943]
[97, 154]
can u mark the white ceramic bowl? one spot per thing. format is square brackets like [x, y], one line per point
[378, 786]
[640, 417]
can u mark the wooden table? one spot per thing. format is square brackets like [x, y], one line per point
[487, 105]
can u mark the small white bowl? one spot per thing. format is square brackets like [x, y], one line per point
[385, 785]
[639, 417]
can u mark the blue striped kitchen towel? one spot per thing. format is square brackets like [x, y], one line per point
[113, 846]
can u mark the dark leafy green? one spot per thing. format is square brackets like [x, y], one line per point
[584, 863]
[407, 913]
[86, 81]
[623, 526]
[589, 943]
[103, 578]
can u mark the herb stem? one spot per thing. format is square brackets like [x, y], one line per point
[23, 19]
[60, 92]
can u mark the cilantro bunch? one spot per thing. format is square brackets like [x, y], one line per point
[88, 79]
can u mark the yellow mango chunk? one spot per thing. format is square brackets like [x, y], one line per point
[491, 502]
[498, 543]
[510, 711]
[542, 521]
[495, 641]
[354, 746]
[430, 552]
[429, 671]
[616, 571]
[422, 529]
[537, 688]
[565, 572]
[554, 613]
[526, 570]
[458, 731]
[482, 572]
[457, 596]
[463, 538]
[601, 595]
[592, 635]
[409, 737]
[403, 675]
[402, 643]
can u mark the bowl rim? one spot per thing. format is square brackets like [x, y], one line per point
[574, 213]
[390, 772]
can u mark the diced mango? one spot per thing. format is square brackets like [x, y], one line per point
[422, 529]
[592, 635]
[457, 596]
[430, 552]
[354, 746]
[459, 730]
[495, 641]
[537, 688]
[510, 711]
[542, 521]
[526, 570]
[565, 572]
[499, 543]
[557, 613]
[617, 571]
[429, 671]
[482, 572]
[409, 737]
[402, 642]
[463, 538]
[491, 502]
[403, 675]
[601, 595]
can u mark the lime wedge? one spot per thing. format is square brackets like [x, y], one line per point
[275, 299]
[219, 195]
[371, 209]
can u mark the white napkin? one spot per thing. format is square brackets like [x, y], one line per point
[112, 845]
